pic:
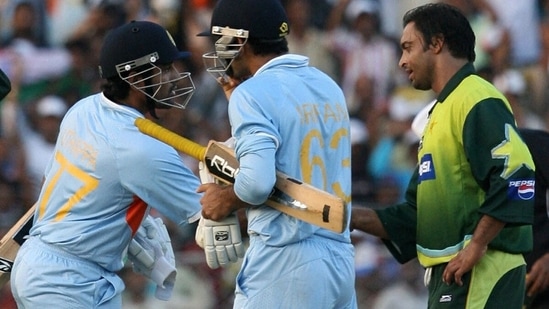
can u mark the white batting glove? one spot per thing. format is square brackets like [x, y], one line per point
[151, 254]
[221, 241]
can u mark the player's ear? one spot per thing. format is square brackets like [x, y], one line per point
[245, 47]
[437, 43]
[133, 77]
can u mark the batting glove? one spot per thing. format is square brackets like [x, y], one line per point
[151, 254]
[221, 241]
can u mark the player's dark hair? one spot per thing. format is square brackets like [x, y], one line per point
[115, 89]
[440, 19]
[261, 47]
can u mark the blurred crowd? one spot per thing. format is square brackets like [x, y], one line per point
[49, 49]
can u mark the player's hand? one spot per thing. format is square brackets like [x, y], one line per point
[151, 255]
[228, 84]
[537, 280]
[218, 201]
[221, 241]
[462, 263]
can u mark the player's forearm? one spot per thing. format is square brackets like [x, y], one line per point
[236, 202]
[366, 220]
[257, 174]
[219, 201]
[487, 229]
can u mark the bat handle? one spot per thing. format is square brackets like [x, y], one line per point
[176, 141]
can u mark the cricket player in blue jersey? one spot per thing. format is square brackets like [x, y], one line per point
[285, 115]
[105, 175]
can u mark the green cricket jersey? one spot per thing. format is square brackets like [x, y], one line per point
[472, 162]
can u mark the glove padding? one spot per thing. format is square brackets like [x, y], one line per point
[221, 241]
[151, 254]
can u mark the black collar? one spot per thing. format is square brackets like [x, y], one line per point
[461, 74]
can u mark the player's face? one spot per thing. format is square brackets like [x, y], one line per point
[166, 86]
[227, 59]
[416, 58]
[171, 83]
[238, 69]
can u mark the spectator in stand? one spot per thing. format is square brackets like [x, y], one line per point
[82, 79]
[491, 36]
[206, 114]
[39, 138]
[394, 155]
[522, 20]
[362, 187]
[27, 20]
[63, 17]
[362, 50]
[513, 85]
[99, 20]
[305, 39]
[28, 48]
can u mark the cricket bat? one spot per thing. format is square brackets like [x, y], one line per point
[290, 196]
[10, 243]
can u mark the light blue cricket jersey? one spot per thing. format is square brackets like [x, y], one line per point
[101, 179]
[302, 116]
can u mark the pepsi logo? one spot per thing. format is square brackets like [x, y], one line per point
[526, 192]
[522, 189]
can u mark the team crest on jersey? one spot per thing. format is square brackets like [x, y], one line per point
[521, 189]
[426, 168]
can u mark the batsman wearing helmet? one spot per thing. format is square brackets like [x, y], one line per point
[285, 115]
[103, 178]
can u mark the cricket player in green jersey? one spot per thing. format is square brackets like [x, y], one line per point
[469, 206]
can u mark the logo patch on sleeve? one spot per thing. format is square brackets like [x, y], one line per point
[521, 189]
[426, 168]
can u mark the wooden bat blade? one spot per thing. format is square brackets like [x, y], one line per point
[327, 211]
[11, 242]
[290, 196]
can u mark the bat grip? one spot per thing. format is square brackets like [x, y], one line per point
[176, 141]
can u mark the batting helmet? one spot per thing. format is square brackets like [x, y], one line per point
[143, 46]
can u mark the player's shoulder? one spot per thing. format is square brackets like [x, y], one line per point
[83, 106]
